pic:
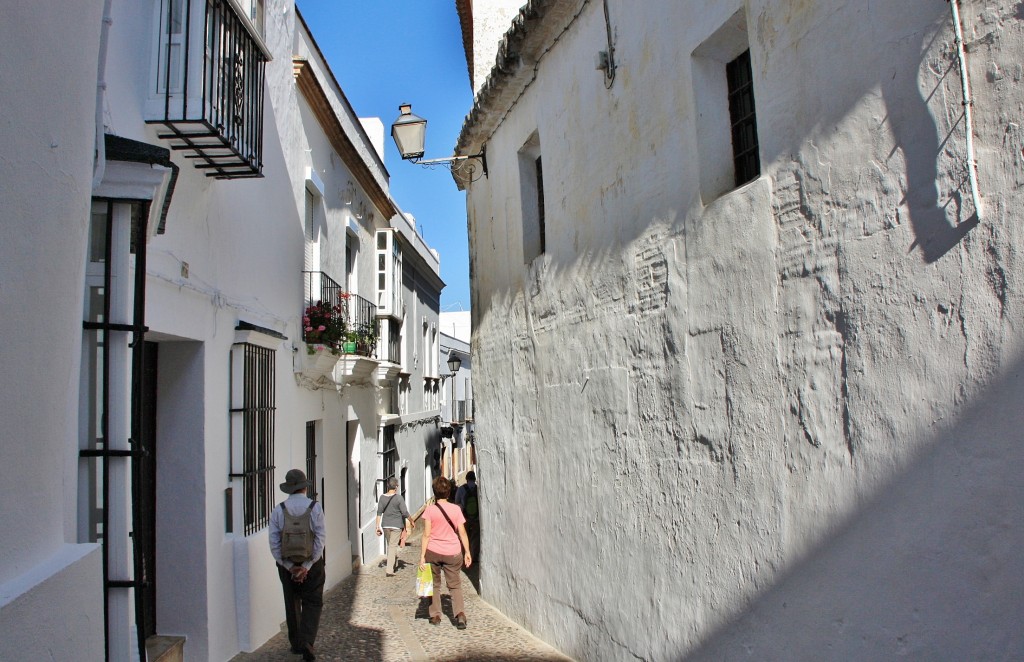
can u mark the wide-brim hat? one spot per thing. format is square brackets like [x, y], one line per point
[294, 481]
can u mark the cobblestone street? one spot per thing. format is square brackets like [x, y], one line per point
[372, 617]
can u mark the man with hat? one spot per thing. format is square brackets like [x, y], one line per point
[302, 579]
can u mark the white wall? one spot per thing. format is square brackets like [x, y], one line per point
[491, 18]
[713, 385]
[47, 142]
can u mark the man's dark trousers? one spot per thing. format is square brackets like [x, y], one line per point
[303, 603]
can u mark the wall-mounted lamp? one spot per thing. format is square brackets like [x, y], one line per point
[409, 133]
[454, 363]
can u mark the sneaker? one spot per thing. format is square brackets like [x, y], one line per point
[460, 620]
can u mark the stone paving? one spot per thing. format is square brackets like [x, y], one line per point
[372, 617]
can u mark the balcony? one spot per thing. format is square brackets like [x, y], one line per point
[210, 74]
[340, 332]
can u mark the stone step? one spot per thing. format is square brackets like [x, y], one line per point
[160, 648]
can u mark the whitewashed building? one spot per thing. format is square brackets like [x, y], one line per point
[190, 179]
[458, 453]
[747, 294]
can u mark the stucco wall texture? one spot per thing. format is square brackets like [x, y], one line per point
[699, 412]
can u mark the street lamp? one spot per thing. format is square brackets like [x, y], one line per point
[409, 133]
[454, 363]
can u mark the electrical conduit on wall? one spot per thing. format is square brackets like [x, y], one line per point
[972, 165]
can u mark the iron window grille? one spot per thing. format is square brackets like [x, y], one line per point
[746, 161]
[257, 411]
[105, 443]
[390, 454]
[322, 289]
[311, 459]
[213, 112]
[540, 205]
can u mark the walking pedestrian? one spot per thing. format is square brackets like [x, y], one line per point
[392, 516]
[446, 547]
[466, 497]
[297, 536]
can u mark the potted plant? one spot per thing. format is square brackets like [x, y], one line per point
[323, 323]
[351, 342]
[366, 338]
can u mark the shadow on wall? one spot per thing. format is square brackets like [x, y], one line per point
[898, 64]
[930, 569]
[916, 135]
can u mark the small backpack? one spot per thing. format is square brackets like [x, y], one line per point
[472, 505]
[297, 535]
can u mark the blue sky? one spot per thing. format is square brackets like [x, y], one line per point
[386, 52]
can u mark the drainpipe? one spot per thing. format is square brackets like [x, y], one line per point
[101, 88]
[972, 165]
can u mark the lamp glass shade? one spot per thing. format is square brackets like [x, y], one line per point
[409, 132]
[454, 363]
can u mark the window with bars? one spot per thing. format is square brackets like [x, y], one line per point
[390, 454]
[742, 117]
[531, 184]
[254, 396]
[311, 473]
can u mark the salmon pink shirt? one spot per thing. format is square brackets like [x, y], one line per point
[443, 538]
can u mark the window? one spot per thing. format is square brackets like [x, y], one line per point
[350, 262]
[389, 274]
[726, 122]
[254, 12]
[171, 49]
[531, 184]
[110, 313]
[253, 398]
[390, 454]
[310, 261]
[311, 472]
[746, 161]
[207, 66]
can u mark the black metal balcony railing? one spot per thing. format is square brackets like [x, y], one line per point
[326, 305]
[363, 322]
[348, 317]
[216, 117]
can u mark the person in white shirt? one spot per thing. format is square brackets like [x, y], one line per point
[302, 581]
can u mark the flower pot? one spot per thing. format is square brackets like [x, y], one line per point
[350, 347]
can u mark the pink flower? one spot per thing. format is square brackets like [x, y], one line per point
[308, 329]
[322, 328]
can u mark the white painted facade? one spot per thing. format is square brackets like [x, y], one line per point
[458, 454]
[457, 324]
[771, 421]
[47, 141]
[225, 267]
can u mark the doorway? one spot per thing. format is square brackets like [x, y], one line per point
[144, 433]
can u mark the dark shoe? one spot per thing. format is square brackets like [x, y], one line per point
[460, 620]
[309, 653]
[435, 620]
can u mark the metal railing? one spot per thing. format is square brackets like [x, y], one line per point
[216, 118]
[351, 318]
[363, 323]
[328, 301]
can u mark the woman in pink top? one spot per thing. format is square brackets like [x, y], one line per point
[446, 547]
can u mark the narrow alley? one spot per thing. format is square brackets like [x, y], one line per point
[372, 617]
